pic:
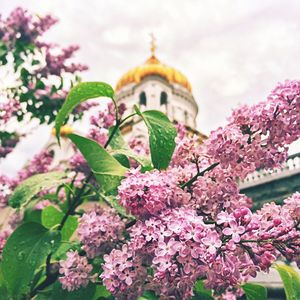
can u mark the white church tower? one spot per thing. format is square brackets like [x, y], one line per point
[157, 86]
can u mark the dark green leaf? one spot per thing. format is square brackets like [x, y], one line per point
[107, 169]
[25, 251]
[113, 202]
[291, 281]
[122, 159]
[32, 215]
[101, 292]
[51, 217]
[80, 294]
[119, 146]
[78, 94]
[255, 291]
[162, 135]
[33, 185]
[201, 293]
[148, 295]
[3, 290]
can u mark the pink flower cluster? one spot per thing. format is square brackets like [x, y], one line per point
[56, 64]
[41, 163]
[181, 247]
[147, 194]
[256, 135]
[21, 25]
[215, 191]
[123, 273]
[8, 110]
[76, 271]
[6, 187]
[99, 230]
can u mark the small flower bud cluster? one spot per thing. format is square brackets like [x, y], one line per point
[99, 229]
[76, 271]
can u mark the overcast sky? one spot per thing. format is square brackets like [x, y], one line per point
[232, 52]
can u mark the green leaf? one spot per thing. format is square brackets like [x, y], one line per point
[33, 185]
[119, 146]
[291, 281]
[51, 217]
[254, 291]
[32, 215]
[113, 202]
[201, 292]
[80, 294]
[78, 94]
[3, 290]
[25, 251]
[143, 161]
[148, 295]
[101, 292]
[122, 159]
[107, 169]
[162, 135]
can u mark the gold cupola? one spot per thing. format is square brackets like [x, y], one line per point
[153, 66]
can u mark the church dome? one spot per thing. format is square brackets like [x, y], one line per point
[153, 66]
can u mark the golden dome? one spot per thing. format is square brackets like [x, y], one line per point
[64, 130]
[153, 67]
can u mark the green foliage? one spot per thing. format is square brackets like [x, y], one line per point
[255, 291]
[113, 202]
[119, 146]
[201, 293]
[291, 281]
[33, 185]
[3, 290]
[148, 295]
[78, 94]
[25, 251]
[51, 217]
[162, 135]
[80, 294]
[107, 169]
[101, 292]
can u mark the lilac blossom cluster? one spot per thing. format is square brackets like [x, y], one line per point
[41, 163]
[99, 230]
[257, 135]
[21, 25]
[212, 235]
[76, 271]
[146, 194]
[7, 186]
[182, 247]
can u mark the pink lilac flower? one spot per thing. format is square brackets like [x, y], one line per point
[146, 194]
[212, 240]
[76, 271]
[8, 109]
[234, 230]
[123, 272]
[99, 230]
[42, 204]
[6, 188]
[41, 163]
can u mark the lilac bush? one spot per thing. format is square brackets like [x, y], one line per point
[118, 224]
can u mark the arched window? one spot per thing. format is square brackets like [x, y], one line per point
[163, 98]
[143, 99]
[186, 117]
